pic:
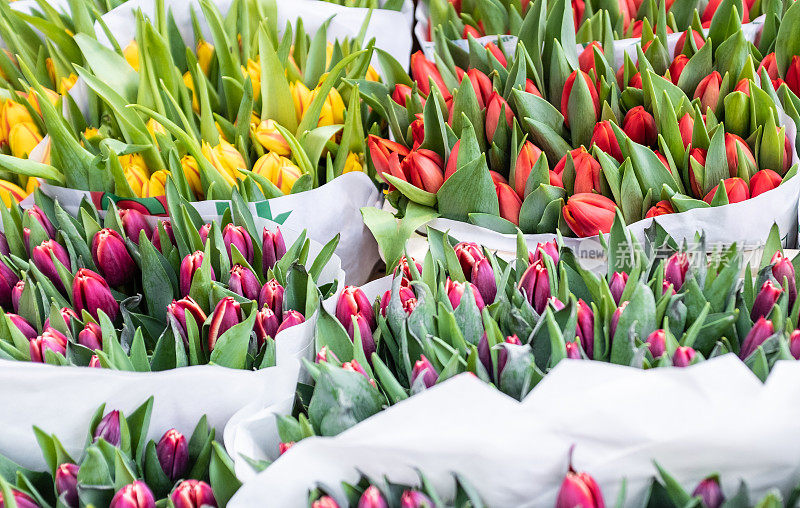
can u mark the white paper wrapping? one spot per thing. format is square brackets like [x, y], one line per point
[712, 417]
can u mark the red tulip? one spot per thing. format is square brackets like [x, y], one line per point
[568, 89]
[510, 203]
[243, 282]
[677, 66]
[604, 138]
[771, 65]
[731, 153]
[7, 277]
[681, 46]
[640, 126]
[455, 291]
[683, 356]
[735, 188]
[272, 296]
[41, 258]
[763, 181]
[787, 153]
[530, 87]
[686, 128]
[354, 303]
[401, 94]
[424, 169]
[497, 53]
[39, 216]
[273, 248]
[588, 214]
[535, 285]
[226, 314]
[470, 30]
[793, 75]
[482, 86]
[743, 86]
[699, 155]
[418, 130]
[586, 58]
[422, 71]
[193, 494]
[760, 332]
[189, 266]
[528, 156]
[266, 325]
[176, 314]
[290, 318]
[424, 370]
[708, 91]
[657, 343]
[156, 238]
[50, 339]
[578, 8]
[452, 161]
[134, 495]
[495, 106]
[385, 155]
[636, 81]
[91, 336]
[661, 208]
[579, 489]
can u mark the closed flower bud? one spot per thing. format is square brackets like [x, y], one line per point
[603, 137]
[173, 454]
[549, 248]
[407, 298]
[12, 113]
[686, 128]
[422, 70]
[133, 222]
[243, 282]
[44, 262]
[156, 238]
[272, 296]
[660, 208]
[226, 314]
[238, 236]
[111, 256]
[131, 54]
[134, 495]
[761, 331]
[528, 156]
[783, 269]
[573, 350]
[226, 159]
[191, 171]
[640, 126]
[766, 299]
[423, 369]
[452, 161]
[496, 52]
[273, 248]
[675, 270]
[401, 94]
[615, 318]
[266, 325]
[535, 285]
[710, 492]
[585, 328]
[683, 356]
[23, 138]
[676, 68]
[565, 93]
[108, 429]
[708, 91]
[22, 325]
[793, 75]
[189, 266]
[91, 336]
[683, 43]
[290, 318]
[91, 292]
[770, 64]
[510, 203]
[94, 362]
[193, 494]
[794, 344]
[325, 502]
[588, 214]
[482, 277]
[353, 302]
[735, 188]
[415, 499]
[497, 106]
[278, 170]
[482, 86]
[176, 313]
[455, 291]
[424, 170]
[732, 141]
[16, 291]
[372, 498]
[579, 489]
[67, 483]
[617, 285]
[657, 343]
[268, 136]
[764, 181]
[586, 58]
[21, 499]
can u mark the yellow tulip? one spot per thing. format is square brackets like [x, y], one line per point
[226, 159]
[372, 74]
[131, 53]
[23, 138]
[328, 54]
[255, 120]
[33, 99]
[192, 173]
[253, 70]
[189, 82]
[332, 109]
[91, 133]
[269, 137]
[13, 60]
[136, 173]
[44, 156]
[205, 55]
[50, 65]
[31, 184]
[12, 113]
[353, 163]
[65, 84]
[278, 170]
[157, 183]
[302, 98]
[11, 193]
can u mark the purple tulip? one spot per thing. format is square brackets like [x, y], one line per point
[290, 318]
[111, 256]
[226, 314]
[556, 303]
[4, 248]
[354, 303]
[67, 483]
[767, 298]
[407, 298]
[91, 292]
[176, 313]
[16, 291]
[189, 266]
[455, 290]
[535, 285]
[484, 354]
[549, 248]
[657, 343]
[782, 268]
[794, 344]
[573, 350]
[760, 332]
[272, 296]
[502, 354]
[41, 258]
[156, 238]
[273, 249]
[676, 268]
[193, 494]
[615, 318]
[68, 316]
[579, 489]
[8, 283]
[50, 339]
[22, 325]
[266, 325]
[238, 236]
[173, 454]
[39, 216]
[94, 362]
[424, 369]
[683, 356]
[468, 255]
[617, 285]
[108, 429]
[243, 282]
[585, 329]
[204, 230]
[483, 279]
[415, 499]
[354, 366]
[710, 492]
[134, 495]
[372, 498]
[134, 222]
[22, 499]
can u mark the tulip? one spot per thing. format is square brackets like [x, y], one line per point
[617, 285]
[455, 290]
[91, 336]
[675, 270]
[770, 64]
[743, 86]
[735, 188]
[468, 255]
[405, 270]
[782, 268]
[226, 314]
[530, 87]
[682, 46]
[497, 53]
[50, 339]
[660, 208]
[731, 153]
[686, 128]
[640, 126]
[354, 366]
[510, 203]
[568, 89]
[482, 277]
[683, 356]
[615, 318]
[173, 454]
[586, 58]
[676, 68]
[243, 282]
[407, 298]
[11, 114]
[41, 257]
[470, 30]
[760, 332]
[699, 155]
[793, 75]
[238, 236]
[290, 318]
[763, 181]
[325, 502]
[494, 108]
[452, 161]
[131, 54]
[423, 369]
[193, 494]
[23, 138]
[4, 248]
[108, 429]
[176, 314]
[535, 285]
[22, 325]
[482, 86]
[67, 483]
[710, 492]
[191, 171]
[21, 499]
[422, 70]
[284, 447]
[766, 299]
[94, 362]
[528, 156]
[657, 343]
[579, 489]
[189, 266]
[585, 328]
[271, 296]
[401, 94]
[415, 499]
[588, 214]
[573, 351]
[134, 495]
[794, 344]
[111, 256]
[90, 291]
[603, 137]
[708, 91]
[279, 170]
[133, 222]
[549, 248]
[385, 155]
[204, 231]
[12, 194]
[136, 173]
[226, 159]
[16, 291]
[787, 153]
[372, 498]
[354, 303]
[424, 169]
[268, 136]
[266, 325]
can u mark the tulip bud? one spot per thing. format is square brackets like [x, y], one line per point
[793, 75]
[176, 313]
[676, 68]
[603, 137]
[266, 325]
[67, 483]
[407, 298]
[585, 328]
[573, 351]
[173, 454]
[415, 499]
[455, 290]
[354, 366]
[405, 270]
[735, 188]
[660, 208]
[385, 155]
[510, 203]
[91, 292]
[422, 70]
[497, 53]
[766, 299]
[617, 285]
[372, 498]
[424, 369]
[268, 136]
[588, 214]
[50, 339]
[615, 318]
[761, 331]
[21, 499]
[530, 87]
[568, 89]
[535, 285]
[243, 282]
[226, 314]
[549, 248]
[731, 153]
[16, 291]
[354, 303]
[43, 261]
[770, 64]
[193, 494]
[189, 266]
[134, 495]
[686, 128]
[91, 336]
[401, 94]
[579, 489]
[528, 156]
[657, 343]
[204, 230]
[682, 45]
[494, 108]
[94, 362]
[482, 86]
[683, 356]
[108, 429]
[675, 270]
[238, 236]
[22, 325]
[710, 492]
[272, 296]
[587, 171]
[586, 58]
[418, 130]
[111, 256]
[23, 138]
[290, 318]
[452, 161]
[764, 181]
[325, 502]
[708, 91]
[156, 238]
[794, 344]
[424, 170]
[782, 268]
[324, 355]
[134, 222]
[640, 126]
[273, 248]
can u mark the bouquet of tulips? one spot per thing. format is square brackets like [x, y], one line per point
[120, 468]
